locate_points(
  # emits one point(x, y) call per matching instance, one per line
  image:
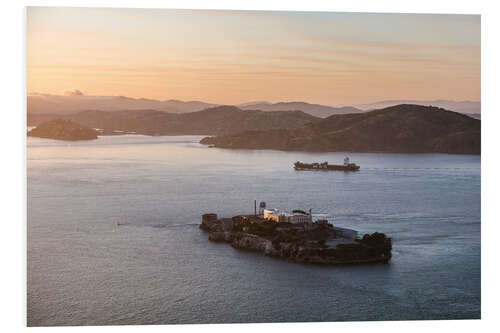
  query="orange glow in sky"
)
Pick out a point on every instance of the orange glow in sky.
point(231, 57)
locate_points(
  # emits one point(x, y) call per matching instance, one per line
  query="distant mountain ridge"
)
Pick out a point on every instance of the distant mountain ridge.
point(317, 110)
point(63, 105)
point(57, 104)
point(400, 129)
point(467, 107)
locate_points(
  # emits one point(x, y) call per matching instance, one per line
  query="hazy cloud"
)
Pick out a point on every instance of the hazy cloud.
point(72, 92)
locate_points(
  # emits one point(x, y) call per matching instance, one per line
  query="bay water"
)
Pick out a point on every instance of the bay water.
point(114, 238)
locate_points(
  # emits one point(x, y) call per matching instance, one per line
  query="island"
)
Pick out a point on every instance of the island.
point(303, 242)
point(63, 129)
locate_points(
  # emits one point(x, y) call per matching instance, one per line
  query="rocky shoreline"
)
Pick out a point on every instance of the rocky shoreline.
point(302, 243)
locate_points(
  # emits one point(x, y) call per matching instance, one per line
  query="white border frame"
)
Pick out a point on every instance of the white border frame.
point(13, 241)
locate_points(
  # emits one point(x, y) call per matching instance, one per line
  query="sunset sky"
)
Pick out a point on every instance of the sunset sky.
point(231, 57)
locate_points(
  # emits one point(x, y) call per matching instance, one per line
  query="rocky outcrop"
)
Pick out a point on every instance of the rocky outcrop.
point(251, 242)
point(304, 243)
point(208, 221)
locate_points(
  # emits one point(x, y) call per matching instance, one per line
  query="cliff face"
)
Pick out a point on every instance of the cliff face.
point(299, 243)
point(401, 129)
point(61, 129)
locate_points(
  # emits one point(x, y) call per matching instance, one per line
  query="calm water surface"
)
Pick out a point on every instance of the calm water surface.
point(158, 267)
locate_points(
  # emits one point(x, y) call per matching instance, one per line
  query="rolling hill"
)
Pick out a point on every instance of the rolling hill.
point(218, 120)
point(64, 105)
point(402, 129)
point(317, 110)
point(472, 108)
point(56, 105)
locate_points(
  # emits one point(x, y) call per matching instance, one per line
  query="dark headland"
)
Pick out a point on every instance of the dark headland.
point(402, 128)
point(62, 129)
point(315, 243)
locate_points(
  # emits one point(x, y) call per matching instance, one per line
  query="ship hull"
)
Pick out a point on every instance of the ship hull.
point(309, 167)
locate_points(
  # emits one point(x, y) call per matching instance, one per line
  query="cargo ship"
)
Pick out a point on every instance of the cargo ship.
point(347, 166)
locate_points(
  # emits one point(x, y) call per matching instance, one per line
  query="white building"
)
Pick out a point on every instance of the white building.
point(276, 215)
point(301, 218)
point(280, 216)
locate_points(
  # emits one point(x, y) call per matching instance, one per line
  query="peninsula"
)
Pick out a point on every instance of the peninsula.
point(296, 238)
point(402, 128)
